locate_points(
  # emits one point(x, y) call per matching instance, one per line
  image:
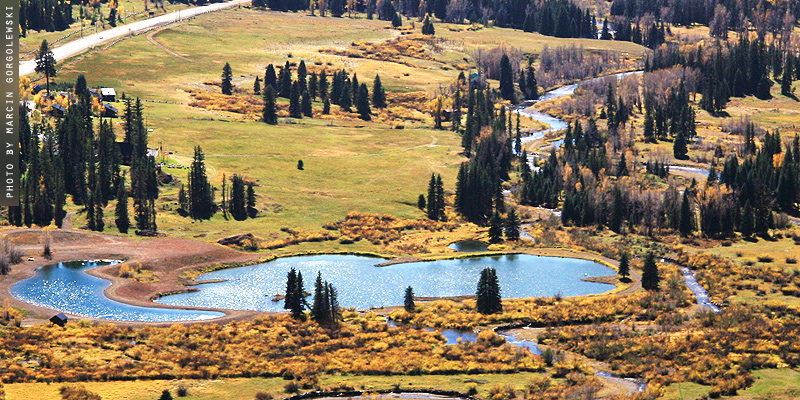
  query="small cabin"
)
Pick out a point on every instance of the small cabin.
point(57, 110)
point(108, 94)
point(59, 319)
point(109, 111)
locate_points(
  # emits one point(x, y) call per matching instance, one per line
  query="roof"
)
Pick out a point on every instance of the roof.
point(58, 107)
point(109, 107)
point(152, 153)
point(108, 91)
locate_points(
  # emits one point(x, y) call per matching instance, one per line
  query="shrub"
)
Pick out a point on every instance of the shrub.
point(726, 243)
point(791, 260)
point(263, 396)
point(126, 271)
point(765, 258)
point(182, 390)
point(291, 387)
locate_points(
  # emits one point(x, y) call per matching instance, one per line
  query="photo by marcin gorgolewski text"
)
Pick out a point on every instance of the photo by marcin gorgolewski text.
point(9, 160)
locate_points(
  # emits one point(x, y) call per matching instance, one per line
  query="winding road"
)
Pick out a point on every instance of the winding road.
point(75, 47)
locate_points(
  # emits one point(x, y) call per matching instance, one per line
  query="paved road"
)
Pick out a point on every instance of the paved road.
point(77, 46)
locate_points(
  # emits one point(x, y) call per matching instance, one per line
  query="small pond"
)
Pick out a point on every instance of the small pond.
point(469, 246)
point(68, 288)
point(362, 285)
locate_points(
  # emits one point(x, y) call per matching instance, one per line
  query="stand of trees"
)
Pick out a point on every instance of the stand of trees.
point(44, 15)
point(488, 293)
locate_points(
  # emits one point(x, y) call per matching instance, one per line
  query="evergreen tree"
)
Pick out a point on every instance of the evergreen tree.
point(319, 310)
point(227, 76)
point(257, 85)
point(201, 196)
point(252, 211)
point(440, 199)
point(624, 265)
point(285, 81)
point(686, 224)
point(650, 278)
point(679, 148)
point(300, 165)
point(786, 80)
point(495, 228)
point(488, 293)
point(511, 228)
point(336, 7)
point(238, 203)
point(270, 79)
point(396, 20)
point(46, 63)
point(323, 84)
point(378, 94)
point(363, 103)
point(532, 85)
point(345, 96)
point(269, 115)
point(295, 110)
point(312, 86)
point(506, 79)
point(622, 167)
point(421, 202)
point(165, 395)
point(299, 301)
point(326, 106)
point(306, 105)
point(427, 26)
point(432, 211)
point(302, 76)
point(408, 302)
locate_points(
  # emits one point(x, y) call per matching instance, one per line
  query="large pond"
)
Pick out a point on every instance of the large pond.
point(362, 285)
point(68, 288)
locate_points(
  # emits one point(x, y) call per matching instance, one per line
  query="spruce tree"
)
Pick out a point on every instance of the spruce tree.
point(312, 85)
point(295, 109)
point(488, 293)
point(427, 26)
point(786, 80)
point(285, 81)
point(440, 199)
point(363, 103)
point(238, 202)
point(252, 211)
point(323, 85)
point(291, 282)
point(679, 148)
point(319, 310)
point(46, 63)
point(201, 197)
point(378, 94)
point(270, 79)
point(299, 300)
point(506, 79)
point(306, 105)
point(408, 302)
point(227, 76)
point(686, 224)
point(512, 224)
point(268, 114)
point(302, 76)
point(345, 96)
point(432, 211)
point(257, 86)
point(326, 106)
point(496, 228)
point(650, 278)
point(532, 85)
point(624, 265)
point(421, 202)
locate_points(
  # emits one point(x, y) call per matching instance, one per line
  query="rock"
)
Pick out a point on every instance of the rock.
point(237, 240)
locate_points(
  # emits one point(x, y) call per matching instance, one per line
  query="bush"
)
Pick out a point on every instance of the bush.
point(291, 387)
point(765, 258)
point(791, 260)
point(726, 243)
point(263, 396)
point(182, 390)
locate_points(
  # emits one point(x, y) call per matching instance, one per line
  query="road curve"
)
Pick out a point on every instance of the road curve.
point(70, 49)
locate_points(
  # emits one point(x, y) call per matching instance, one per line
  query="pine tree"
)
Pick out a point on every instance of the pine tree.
point(300, 165)
point(252, 211)
point(786, 80)
point(285, 81)
point(624, 265)
point(326, 106)
point(306, 105)
point(686, 224)
point(345, 96)
point(270, 79)
point(396, 20)
point(679, 148)
point(432, 211)
point(269, 115)
point(46, 63)
point(532, 85)
point(488, 293)
point(165, 395)
point(201, 197)
point(622, 167)
point(506, 79)
point(440, 199)
point(378, 94)
point(291, 284)
point(238, 203)
point(650, 278)
point(299, 300)
point(319, 310)
point(295, 110)
point(227, 76)
point(323, 85)
point(257, 85)
point(421, 202)
point(363, 103)
point(495, 228)
point(512, 224)
point(408, 302)
point(302, 76)
point(427, 26)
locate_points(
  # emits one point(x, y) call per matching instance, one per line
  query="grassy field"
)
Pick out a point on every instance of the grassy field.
point(349, 164)
point(246, 388)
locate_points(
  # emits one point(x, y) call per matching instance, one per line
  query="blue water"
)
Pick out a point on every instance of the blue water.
point(362, 285)
point(469, 246)
point(68, 288)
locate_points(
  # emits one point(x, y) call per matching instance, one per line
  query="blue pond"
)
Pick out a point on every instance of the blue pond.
point(66, 287)
point(362, 285)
